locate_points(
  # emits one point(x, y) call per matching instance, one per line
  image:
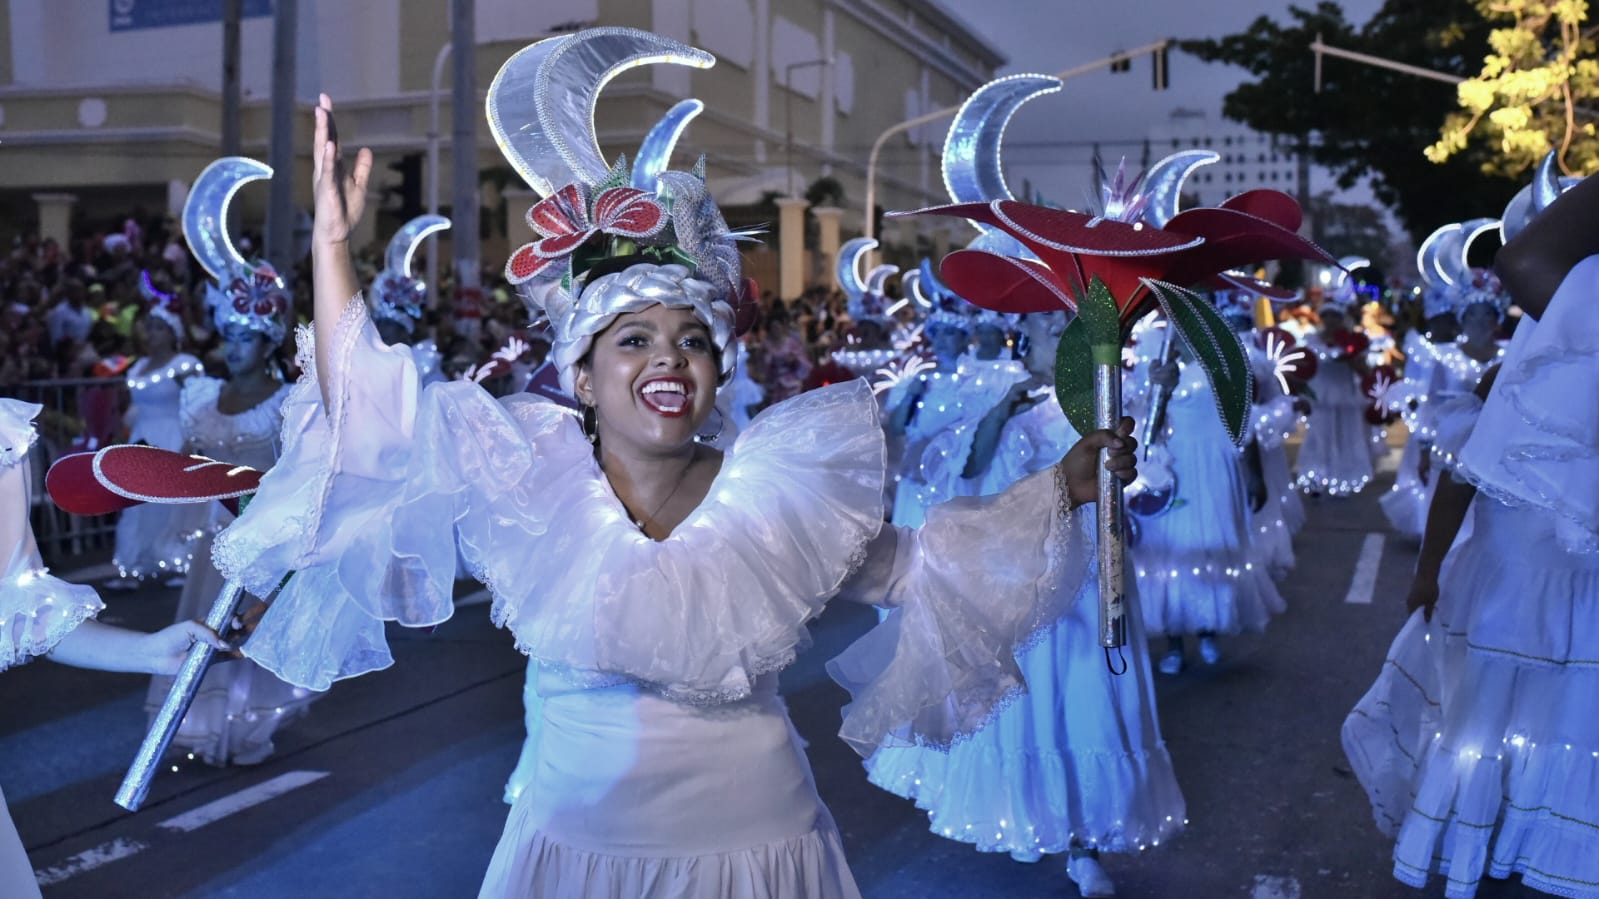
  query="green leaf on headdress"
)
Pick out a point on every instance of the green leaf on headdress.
point(1074, 376)
point(1207, 337)
point(619, 176)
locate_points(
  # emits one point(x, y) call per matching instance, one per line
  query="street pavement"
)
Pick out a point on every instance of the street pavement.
point(391, 786)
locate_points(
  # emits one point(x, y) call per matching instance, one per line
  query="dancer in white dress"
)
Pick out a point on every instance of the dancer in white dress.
point(1078, 765)
point(659, 585)
point(1478, 744)
point(1454, 372)
point(238, 421)
point(1336, 458)
point(1195, 562)
point(156, 540)
point(43, 615)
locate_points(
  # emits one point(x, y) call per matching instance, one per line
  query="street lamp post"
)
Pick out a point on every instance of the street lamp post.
point(788, 108)
point(433, 174)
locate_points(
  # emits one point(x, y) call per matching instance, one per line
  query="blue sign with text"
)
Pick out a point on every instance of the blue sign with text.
point(127, 15)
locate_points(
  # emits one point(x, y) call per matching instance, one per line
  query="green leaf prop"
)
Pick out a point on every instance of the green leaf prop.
point(1074, 376)
point(1208, 339)
point(1094, 336)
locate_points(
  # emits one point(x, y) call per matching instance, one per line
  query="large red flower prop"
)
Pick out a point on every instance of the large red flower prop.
point(568, 218)
point(1075, 248)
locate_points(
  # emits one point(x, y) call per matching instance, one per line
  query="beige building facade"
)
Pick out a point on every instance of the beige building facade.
point(100, 115)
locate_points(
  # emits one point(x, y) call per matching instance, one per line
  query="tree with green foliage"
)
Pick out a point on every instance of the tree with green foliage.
point(1531, 94)
point(1368, 121)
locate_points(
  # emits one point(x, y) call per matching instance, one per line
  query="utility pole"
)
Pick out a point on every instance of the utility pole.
point(280, 209)
point(465, 113)
point(232, 12)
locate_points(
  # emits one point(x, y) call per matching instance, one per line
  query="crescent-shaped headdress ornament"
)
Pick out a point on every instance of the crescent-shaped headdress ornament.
point(972, 168)
point(541, 102)
point(397, 294)
point(245, 294)
point(655, 154)
point(1163, 183)
point(847, 270)
point(1547, 185)
point(205, 214)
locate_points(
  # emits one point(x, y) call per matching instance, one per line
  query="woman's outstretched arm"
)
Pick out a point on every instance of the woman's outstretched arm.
point(340, 198)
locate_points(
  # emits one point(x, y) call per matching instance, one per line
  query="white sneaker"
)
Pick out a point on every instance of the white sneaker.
point(1209, 651)
point(121, 584)
point(1171, 662)
point(1091, 879)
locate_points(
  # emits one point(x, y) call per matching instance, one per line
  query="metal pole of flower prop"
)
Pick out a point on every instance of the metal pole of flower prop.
point(117, 478)
point(1112, 269)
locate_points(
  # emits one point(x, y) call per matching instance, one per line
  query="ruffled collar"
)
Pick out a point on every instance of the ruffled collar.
point(723, 599)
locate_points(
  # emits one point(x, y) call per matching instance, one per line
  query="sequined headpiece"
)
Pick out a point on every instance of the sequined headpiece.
point(397, 295)
point(244, 294)
point(612, 239)
point(160, 305)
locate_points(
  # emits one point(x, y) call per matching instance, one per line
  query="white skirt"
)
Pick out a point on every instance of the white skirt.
point(1078, 758)
point(1478, 744)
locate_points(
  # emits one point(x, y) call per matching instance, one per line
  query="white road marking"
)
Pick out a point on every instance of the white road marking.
point(121, 848)
point(1269, 887)
point(1364, 582)
point(88, 860)
point(238, 802)
point(475, 598)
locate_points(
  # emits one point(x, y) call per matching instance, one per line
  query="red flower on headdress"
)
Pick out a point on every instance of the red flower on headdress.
point(1074, 248)
point(567, 219)
point(258, 293)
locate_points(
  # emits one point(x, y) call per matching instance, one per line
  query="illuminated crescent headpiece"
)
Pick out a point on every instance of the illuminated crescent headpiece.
point(397, 294)
point(612, 239)
point(244, 294)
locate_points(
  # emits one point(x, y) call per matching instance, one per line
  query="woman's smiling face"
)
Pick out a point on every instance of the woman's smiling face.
point(651, 378)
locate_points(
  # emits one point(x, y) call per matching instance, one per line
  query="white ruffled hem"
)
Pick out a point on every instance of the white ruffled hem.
point(530, 865)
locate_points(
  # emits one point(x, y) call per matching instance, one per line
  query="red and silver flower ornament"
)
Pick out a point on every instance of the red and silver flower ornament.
point(571, 216)
point(256, 299)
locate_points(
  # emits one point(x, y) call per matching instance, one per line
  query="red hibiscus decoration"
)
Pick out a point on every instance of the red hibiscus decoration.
point(1293, 365)
point(567, 218)
point(1352, 343)
point(1074, 248)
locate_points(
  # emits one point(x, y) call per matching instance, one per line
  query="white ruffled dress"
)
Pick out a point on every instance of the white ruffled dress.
point(239, 705)
point(1478, 743)
point(158, 539)
point(1336, 458)
point(36, 609)
point(938, 438)
point(1080, 757)
point(1196, 565)
point(667, 765)
point(1452, 376)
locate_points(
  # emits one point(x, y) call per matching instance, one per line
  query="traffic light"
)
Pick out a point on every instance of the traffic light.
point(1120, 63)
point(1159, 57)
point(405, 198)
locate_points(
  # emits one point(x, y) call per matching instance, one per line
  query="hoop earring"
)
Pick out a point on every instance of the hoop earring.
point(721, 425)
point(590, 424)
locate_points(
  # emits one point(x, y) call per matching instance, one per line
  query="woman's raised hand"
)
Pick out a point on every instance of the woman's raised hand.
point(340, 200)
point(340, 191)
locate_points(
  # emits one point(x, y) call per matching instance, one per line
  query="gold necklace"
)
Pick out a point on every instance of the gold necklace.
point(682, 476)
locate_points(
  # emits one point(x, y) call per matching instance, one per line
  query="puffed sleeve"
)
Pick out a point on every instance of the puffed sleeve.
point(968, 590)
point(362, 505)
point(36, 609)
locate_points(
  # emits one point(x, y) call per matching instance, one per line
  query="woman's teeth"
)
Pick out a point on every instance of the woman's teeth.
point(666, 397)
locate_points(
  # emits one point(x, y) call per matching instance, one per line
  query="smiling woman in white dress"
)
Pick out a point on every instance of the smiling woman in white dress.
point(659, 585)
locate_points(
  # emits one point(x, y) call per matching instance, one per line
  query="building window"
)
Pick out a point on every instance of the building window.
point(1228, 141)
point(1174, 143)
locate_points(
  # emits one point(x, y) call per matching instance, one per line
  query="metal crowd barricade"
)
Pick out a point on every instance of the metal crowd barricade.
point(79, 414)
